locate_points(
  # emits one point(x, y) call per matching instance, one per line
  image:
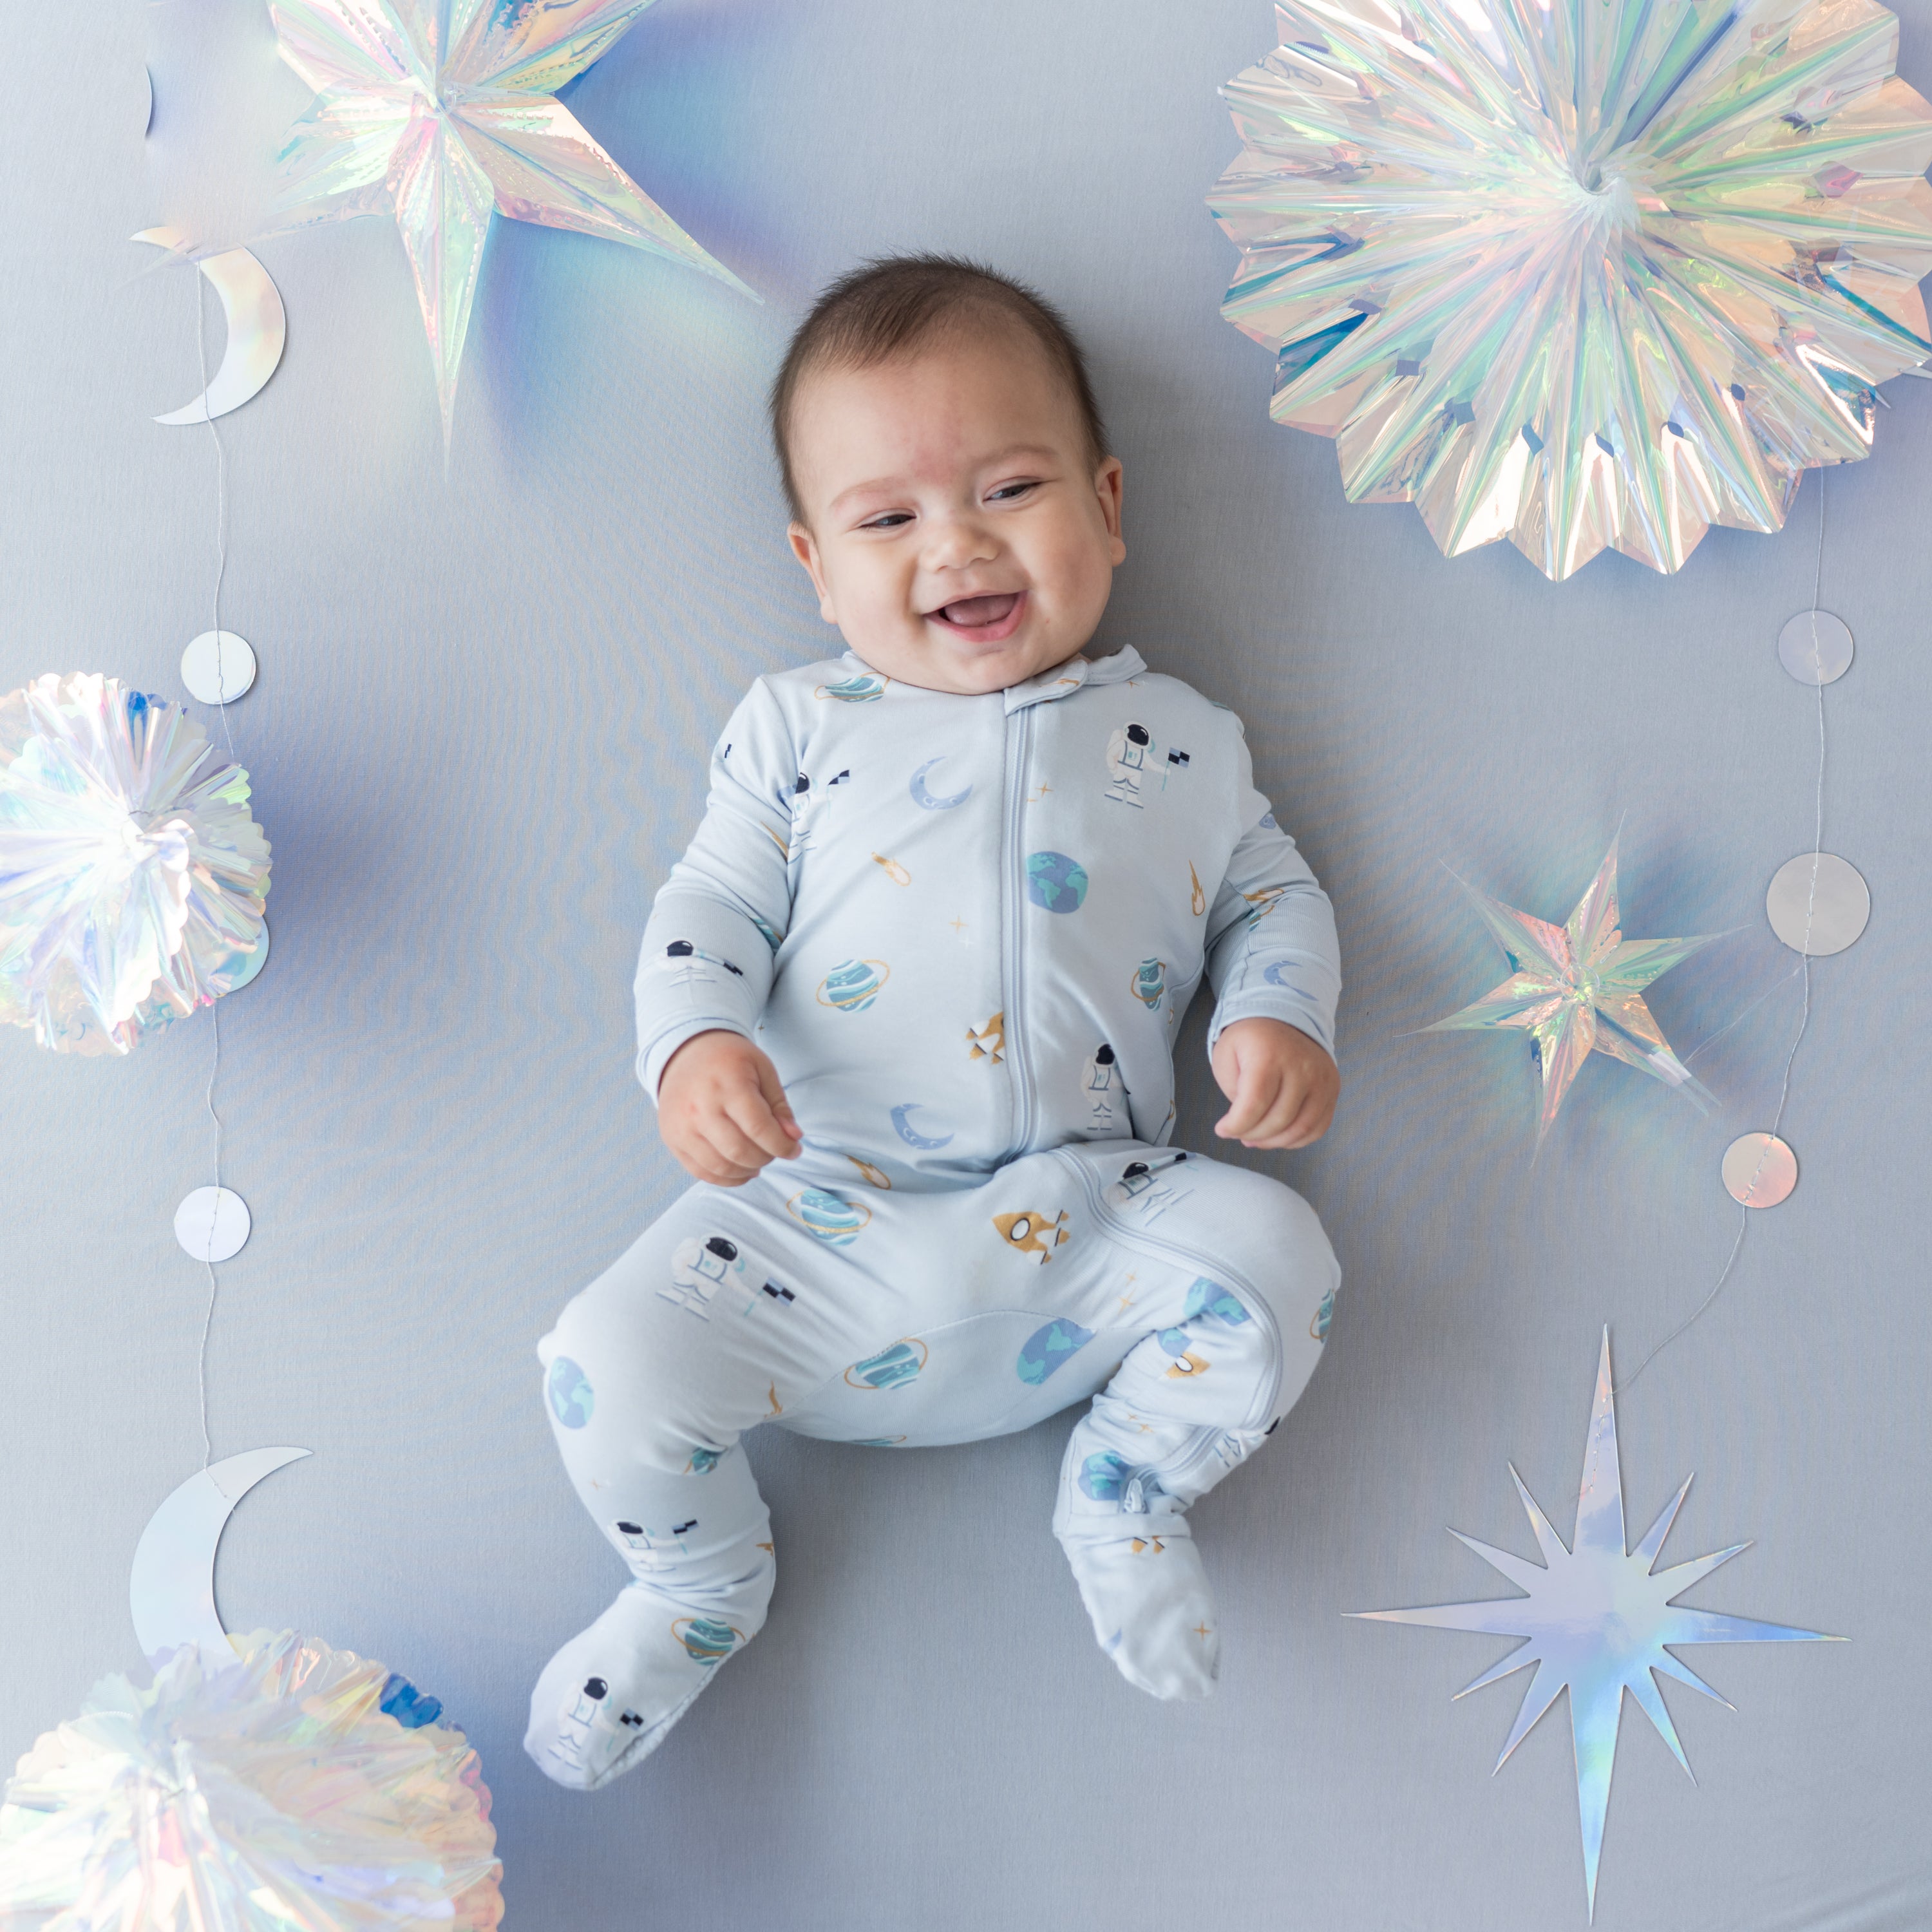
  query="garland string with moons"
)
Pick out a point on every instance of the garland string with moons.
point(215, 1012)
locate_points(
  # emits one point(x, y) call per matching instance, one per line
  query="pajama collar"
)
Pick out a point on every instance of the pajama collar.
point(1060, 682)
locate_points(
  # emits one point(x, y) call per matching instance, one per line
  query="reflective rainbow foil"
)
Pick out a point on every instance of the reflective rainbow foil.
point(293, 1788)
point(1582, 274)
point(132, 878)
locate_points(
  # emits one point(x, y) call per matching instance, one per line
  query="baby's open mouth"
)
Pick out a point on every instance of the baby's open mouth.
point(985, 620)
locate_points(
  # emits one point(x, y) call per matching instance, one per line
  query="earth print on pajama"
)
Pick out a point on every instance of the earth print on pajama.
point(965, 930)
point(1186, 1297)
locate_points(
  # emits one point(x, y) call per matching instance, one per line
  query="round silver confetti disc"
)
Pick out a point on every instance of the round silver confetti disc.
point(218, 667)
point(1815, 647)
point(1820, 915)
point(1759, 1171)
point(212, 1224)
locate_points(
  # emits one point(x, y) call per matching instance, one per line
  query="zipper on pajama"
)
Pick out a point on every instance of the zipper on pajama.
point(1252, 1300)
point(1013, 899)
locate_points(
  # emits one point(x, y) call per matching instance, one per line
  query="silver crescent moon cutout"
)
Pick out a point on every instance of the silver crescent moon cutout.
point(258, 328)
point(920, 796)
point(171, 1587)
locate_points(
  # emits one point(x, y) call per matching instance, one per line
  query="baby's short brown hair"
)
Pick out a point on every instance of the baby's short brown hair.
point(890, 305)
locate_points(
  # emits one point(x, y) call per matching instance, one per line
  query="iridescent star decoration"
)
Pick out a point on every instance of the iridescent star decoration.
point(1598, 1621)
point(1578, 986)
point(440, 112)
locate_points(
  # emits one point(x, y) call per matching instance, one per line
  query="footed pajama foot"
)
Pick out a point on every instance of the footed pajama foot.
point(1152, 1610)
point(607, 1698)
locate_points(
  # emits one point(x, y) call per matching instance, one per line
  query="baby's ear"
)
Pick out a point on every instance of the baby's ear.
point(1107, 486)
point(804, 548)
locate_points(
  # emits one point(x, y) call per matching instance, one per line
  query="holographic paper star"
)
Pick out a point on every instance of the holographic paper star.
point(1582, 274)
point(1598, 1621)
point(439, 113)
point(1578, 986)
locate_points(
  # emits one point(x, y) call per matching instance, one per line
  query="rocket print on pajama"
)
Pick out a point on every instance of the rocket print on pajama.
point(964, 929)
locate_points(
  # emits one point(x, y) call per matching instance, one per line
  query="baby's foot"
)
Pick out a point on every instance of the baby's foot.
point(1152, 1610)
point(607, 1700)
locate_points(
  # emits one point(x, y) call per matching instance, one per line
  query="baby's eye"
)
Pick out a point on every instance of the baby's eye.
point(890, 520)
point(1009, 492)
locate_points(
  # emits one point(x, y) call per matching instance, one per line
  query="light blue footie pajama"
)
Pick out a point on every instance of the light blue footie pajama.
point(965, 930)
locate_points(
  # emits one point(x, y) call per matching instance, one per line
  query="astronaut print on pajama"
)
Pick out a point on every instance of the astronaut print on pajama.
point(964, 929)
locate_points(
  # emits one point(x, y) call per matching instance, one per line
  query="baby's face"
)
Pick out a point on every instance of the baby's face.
point(956, 530)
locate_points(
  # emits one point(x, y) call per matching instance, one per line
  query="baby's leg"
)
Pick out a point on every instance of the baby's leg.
point(1239, 1274)
point(651, 1375)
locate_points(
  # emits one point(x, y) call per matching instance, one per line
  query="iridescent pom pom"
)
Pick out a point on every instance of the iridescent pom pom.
point(1582, 273)
point(131, 875)
point(291, 1788)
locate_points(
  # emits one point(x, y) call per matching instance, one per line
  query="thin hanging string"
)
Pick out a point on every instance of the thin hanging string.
point(1803, 969)
point(221, 698)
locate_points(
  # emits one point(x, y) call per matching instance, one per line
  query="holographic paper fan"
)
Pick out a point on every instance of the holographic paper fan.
point(440, 113)
point(131, 875)
point(292, 1789)
point(1586, 273)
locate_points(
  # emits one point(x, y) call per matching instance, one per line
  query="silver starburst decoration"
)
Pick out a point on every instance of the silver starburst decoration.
point(1597, 1621)
point(1581, 273)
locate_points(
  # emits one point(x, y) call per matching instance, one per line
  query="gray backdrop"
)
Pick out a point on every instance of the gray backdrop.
point(479, 736)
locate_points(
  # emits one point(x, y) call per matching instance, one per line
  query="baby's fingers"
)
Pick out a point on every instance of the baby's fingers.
point(756, 1133)
point(1254, 1093)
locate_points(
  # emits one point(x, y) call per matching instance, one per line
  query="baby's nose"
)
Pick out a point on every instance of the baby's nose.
point(958, 541)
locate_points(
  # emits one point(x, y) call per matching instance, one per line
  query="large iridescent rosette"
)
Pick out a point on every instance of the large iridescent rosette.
point(292, 1788)
point(132, 876)
point(1584, 273)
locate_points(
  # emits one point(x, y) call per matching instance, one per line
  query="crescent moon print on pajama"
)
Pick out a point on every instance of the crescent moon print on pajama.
point(989, 1043)
point(893, 869)
point(841, 1222)
point(890, 1368)
point(921, 796)
point(854, 986)
point(854, 690)
point(1027, 1233)
point(902, 1123)
point(1049, 1349)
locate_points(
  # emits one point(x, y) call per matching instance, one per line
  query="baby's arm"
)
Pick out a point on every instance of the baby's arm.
point(1275, 967)
point(705, 970)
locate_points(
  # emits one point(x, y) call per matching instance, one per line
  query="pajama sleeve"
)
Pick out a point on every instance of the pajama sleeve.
point(717, 922)
point(1271, 948)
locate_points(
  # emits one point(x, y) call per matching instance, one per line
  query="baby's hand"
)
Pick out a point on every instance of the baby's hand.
point(721, 1110)
point(1281, 1087)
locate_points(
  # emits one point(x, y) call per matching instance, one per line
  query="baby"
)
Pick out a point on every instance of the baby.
point(908, 1007)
